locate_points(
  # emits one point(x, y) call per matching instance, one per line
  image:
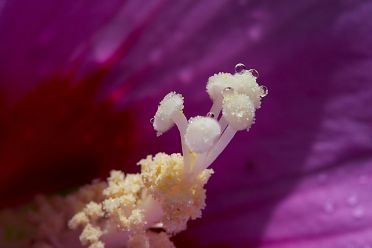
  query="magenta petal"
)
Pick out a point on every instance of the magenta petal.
point(40, 38)
point(303, 176)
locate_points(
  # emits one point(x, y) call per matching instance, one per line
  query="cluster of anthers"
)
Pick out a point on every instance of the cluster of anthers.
point(170, 188)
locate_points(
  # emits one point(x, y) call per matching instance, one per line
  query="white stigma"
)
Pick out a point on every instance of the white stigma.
point(168, 107)
point(237, 95)
point(238, 110)
point(217, 83)
point(245, 83)
point(202, 133)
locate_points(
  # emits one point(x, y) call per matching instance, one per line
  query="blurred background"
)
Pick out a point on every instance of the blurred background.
point(80, 80)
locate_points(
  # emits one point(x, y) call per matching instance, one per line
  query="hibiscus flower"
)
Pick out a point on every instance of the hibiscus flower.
point(80, 81)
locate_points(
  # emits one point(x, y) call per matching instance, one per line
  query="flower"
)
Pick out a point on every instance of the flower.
point(302, 178)
point(167, 193)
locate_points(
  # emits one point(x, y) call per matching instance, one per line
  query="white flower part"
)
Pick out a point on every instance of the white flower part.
point(202, 133)
point(170, 104)
point(245, 83)
point(238, 110)
point(217, 83)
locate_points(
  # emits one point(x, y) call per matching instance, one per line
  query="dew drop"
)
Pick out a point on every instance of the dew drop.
point(152, 120)
point(227, 91)
point(210, 114)
point(358, 212)
point(265, 90)
point(240, 68)
point(254, 73)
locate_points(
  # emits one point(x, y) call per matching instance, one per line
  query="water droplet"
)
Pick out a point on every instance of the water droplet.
point(352, 200)
point(152, 120)
point(265, 90)
point(358, 212)
point(254, 73)
point(210, 114)
point(329, 207)
point(227, 91)
point(240, 68)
